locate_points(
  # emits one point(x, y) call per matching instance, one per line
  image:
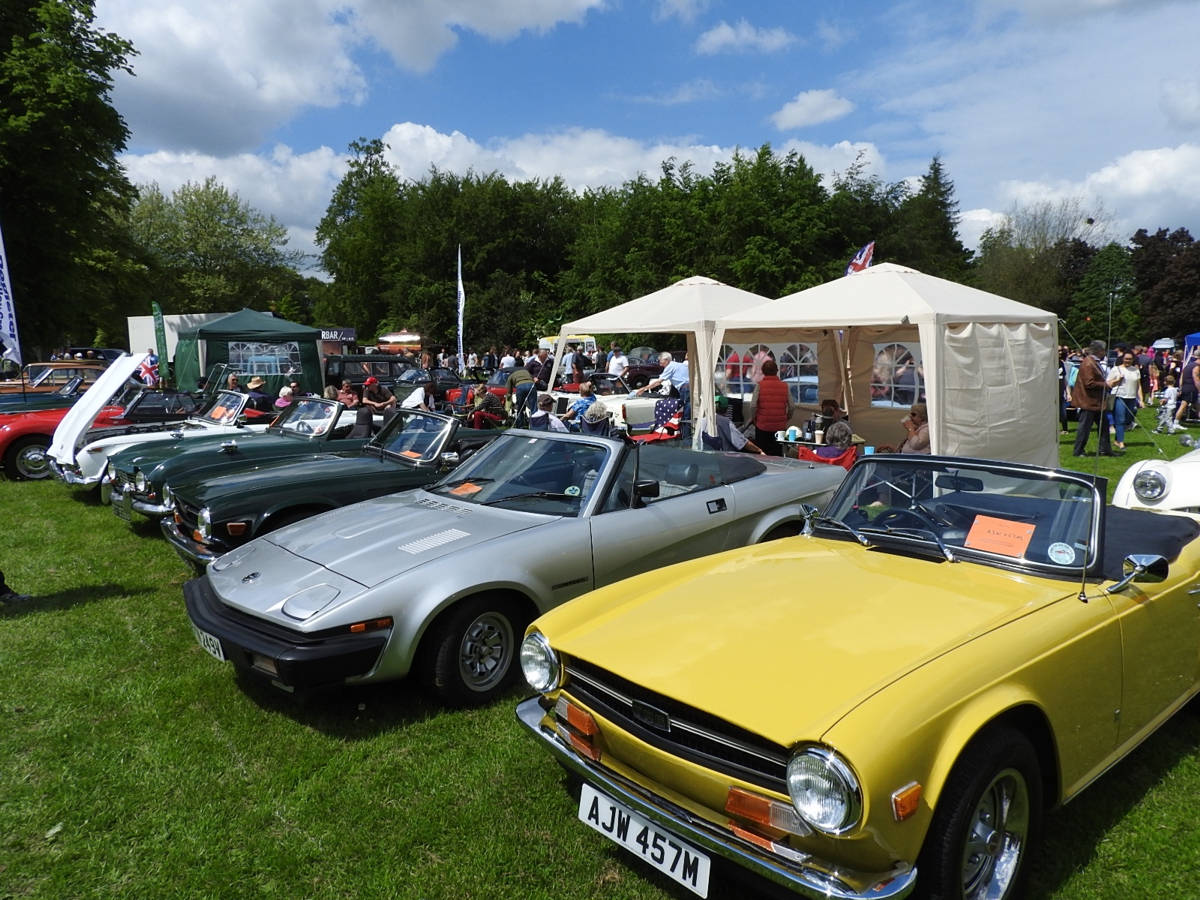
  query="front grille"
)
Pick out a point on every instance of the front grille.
point(188, 514)
point(125, 480)
point(695, 735)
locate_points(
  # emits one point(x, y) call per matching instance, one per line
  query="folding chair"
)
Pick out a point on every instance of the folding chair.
point(668, 419)
point(845, 459)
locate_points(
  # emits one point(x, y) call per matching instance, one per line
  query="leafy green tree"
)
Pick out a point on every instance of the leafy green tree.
point(1106, 305)
point(208, 251)
point(63, 193)
point(924, 230)
point(1172, 304)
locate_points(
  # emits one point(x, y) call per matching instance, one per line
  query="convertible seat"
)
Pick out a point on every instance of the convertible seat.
point(1128, 531)
point(363, 419)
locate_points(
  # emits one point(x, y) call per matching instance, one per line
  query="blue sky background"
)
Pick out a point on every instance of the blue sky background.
point(1025, 100)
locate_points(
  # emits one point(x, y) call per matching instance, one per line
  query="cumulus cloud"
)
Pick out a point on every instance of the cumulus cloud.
point(219, 75)
point(741, 38)
point(1181, 102)
point(811, 108)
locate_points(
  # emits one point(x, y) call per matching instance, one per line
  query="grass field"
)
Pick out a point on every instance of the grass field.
point(134, 765)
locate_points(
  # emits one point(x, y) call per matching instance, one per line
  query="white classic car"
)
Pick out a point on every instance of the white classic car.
point(1162, 484)
point(80, 462)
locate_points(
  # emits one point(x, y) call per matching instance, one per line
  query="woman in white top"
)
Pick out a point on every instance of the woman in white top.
point(1125, 382)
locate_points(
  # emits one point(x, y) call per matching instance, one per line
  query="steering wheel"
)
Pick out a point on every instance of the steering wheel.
point(899, 514)
point(304, 428)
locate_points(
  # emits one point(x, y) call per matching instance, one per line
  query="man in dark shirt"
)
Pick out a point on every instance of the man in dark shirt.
point(376, 396)
point(1088, 396)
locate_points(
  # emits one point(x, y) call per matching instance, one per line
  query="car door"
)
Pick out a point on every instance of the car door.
point(1160, 634)
point(690, 518)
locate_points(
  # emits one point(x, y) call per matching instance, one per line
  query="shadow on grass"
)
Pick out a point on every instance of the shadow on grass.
point(1072, 834)
point(361, 712)
point(89, 497)
point(68, 598)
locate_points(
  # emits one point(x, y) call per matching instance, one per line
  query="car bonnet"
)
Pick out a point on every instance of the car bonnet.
point(80, 416)
point(379, 539)
point(786, 638)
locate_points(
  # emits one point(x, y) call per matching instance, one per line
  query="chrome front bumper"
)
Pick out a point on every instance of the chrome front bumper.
point(189, 550)
point(814, 878)
point(70, 476)
point(150, 510)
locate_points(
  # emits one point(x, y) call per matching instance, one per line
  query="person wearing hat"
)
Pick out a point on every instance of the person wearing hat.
point(377, 397)
point(727, 437)
point(544, 419)
point(1088, 396)
point(258, 400)
point(618, 362)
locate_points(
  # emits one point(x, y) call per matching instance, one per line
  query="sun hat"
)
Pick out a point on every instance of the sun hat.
point(255, 382)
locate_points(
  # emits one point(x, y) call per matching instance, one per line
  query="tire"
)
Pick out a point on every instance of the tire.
point(470, 652)
point(964, 856)
point(26, 459)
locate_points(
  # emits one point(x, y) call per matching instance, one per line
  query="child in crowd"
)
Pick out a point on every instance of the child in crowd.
point(1166, 412)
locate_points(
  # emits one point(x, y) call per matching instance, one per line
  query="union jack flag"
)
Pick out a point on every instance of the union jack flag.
point(862, 259)
point(147, 372)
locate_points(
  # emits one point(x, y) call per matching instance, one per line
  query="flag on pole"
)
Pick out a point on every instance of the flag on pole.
point(862, 259)
point(147, 372)
point(10, 342)
point(462, 303)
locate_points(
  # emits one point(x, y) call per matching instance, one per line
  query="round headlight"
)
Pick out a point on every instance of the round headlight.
point(1149, 484)
point(168, 497)
point(824, 790)
point(539, 662)
point(139, 481)
point(204, 524)
point(112, 472)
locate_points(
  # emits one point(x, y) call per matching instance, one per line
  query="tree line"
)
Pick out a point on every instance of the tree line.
point(86, 248)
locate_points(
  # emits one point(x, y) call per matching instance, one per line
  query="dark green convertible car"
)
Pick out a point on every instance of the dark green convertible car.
point(213, 514)
point(137, 475)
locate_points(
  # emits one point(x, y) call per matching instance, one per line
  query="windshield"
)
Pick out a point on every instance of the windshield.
point(534, 474)
point(987, 512)
point(126, 395)
point(308, 417)
point(412, 435)
point(223, 409)
point(37, 374)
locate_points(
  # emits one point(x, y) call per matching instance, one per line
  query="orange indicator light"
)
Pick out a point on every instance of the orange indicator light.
point(906, 801)
point(765, 811)
point(236, 528)
point(579, 719)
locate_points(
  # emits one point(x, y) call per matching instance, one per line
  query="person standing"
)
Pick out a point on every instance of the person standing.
point(1125, 381)
point(1189, 387)
point(773, 408)
point(1088, 396)
point(618, 362)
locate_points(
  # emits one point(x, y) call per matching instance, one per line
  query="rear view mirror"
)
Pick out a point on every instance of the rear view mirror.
point(959, 483)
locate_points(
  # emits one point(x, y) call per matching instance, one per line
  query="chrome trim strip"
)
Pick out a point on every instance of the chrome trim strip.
point(806, 878)
point(683, 725)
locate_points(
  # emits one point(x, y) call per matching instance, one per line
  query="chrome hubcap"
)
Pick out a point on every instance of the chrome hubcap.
point(33, 463)
point(486, 651)
point(998, 829)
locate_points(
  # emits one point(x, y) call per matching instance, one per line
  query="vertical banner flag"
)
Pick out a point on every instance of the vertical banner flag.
point(11, 348)
point(160, 338)
point(462, 303)
point(862, 259)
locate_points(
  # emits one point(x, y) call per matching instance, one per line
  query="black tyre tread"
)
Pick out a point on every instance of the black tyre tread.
point(10, 458)
point(938, 865)
point(437, 659)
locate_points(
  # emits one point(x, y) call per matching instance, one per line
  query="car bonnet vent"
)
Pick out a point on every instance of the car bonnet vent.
point(460, 511)
point(434, 540)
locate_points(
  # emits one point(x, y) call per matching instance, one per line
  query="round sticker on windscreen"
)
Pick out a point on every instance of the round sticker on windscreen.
point(572, 491)
point(1063, 554)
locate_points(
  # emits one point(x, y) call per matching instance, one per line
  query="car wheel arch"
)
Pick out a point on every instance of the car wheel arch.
point(284, 514)
point(527, 605)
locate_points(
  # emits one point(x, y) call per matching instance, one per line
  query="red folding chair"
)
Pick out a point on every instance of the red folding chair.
point(668, 420)
point(845, 459)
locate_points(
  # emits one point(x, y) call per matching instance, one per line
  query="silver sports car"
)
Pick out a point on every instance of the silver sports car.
point(441, 581)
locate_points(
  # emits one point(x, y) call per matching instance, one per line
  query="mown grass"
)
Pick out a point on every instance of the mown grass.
point(134, 765)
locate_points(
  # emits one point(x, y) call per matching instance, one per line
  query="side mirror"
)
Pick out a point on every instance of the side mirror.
point(1143, 568)
point(810, 513)
point(450, 459)
point(241, 421)
point(643, 489)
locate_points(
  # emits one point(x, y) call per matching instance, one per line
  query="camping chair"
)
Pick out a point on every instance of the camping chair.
point(845, 459)
point(668, 418)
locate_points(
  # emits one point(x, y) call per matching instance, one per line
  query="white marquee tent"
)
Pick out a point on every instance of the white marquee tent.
point(989, 364)
point(691, 307)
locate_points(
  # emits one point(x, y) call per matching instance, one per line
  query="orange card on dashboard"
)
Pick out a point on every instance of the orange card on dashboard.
point(466, 490)
point(1001, 536)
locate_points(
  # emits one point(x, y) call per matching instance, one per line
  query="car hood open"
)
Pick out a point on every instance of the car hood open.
point(786, 638)
point(379, 539)
point(80, 416)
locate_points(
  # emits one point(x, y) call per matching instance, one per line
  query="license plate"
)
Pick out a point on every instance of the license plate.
point(123, 510)
point(209, 643)
point(665, 852)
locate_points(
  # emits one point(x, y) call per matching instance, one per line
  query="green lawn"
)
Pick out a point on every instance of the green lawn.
point(133, 765)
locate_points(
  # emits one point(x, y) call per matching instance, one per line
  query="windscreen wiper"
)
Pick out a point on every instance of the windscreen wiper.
point(829, 520)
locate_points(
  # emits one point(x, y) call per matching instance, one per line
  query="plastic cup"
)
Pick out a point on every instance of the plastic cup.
point(868, 451)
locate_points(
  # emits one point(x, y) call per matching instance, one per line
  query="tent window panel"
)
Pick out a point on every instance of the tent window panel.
point(257, 358)
point(897, 375)
point(739, 369)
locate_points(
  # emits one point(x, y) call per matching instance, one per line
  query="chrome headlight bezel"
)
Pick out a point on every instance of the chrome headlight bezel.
point(540, 664)
point(1150, 485)
point(139, 481)
point(168, 499)
point(834, 779)
point(111, 471)
point(204, 524)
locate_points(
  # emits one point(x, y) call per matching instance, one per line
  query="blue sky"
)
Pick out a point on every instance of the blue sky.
point(1025, 100)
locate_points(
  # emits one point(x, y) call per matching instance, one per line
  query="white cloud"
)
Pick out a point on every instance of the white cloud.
point(1181, 102)
point(833, 36)
point(219, 75)
point(811, 108)
point(687, 10)
point(1057, 10)
point(743, 37)
point(691, 92)
point(974, 222)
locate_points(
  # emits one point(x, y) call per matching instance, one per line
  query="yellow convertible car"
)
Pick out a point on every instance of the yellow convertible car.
point(886, 704)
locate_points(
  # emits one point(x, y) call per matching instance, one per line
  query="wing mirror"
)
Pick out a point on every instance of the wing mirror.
point(1144, 568)
point(642, 490)
point(241, 421)
point(810, 514)
point(450, 459)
